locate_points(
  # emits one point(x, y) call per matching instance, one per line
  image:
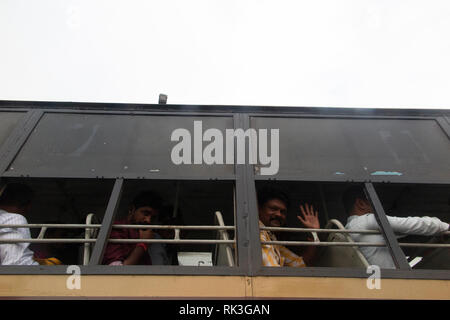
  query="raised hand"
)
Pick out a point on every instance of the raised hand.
point(310, 217)
point(146, 234)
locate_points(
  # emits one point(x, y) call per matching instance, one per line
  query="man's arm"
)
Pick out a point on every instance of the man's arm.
point(309, 254)
point(135, 256)
point(426, 226)
point(291, 259)
point(16, 253)
point(120, 252)
point(138, 252)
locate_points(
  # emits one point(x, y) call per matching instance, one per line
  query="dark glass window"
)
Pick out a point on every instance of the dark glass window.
point(360, 149)
point(87, 145)
point(8, 121)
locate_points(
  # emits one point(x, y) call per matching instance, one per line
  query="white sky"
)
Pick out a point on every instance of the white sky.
point(348, 53)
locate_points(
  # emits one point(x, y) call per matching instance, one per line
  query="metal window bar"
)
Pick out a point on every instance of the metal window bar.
point(210, 241)
point(345, 244)
point(281, 229)
point(223, 251)
point(89, 234)
point(42, 233)
point(122, 226)
point(76, 240)
point(203, 227)
point(177, 240)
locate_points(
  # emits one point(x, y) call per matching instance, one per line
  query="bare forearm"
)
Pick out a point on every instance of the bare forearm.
point(309, 254)
point(135, 256)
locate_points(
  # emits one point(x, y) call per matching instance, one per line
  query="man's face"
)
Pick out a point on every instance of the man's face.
point(142, 215)
point(273, 213)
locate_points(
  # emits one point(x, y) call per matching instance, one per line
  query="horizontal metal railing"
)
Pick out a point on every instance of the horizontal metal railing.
point(121, 226)
point(76, 240)
point(280, 229)
point(208, 241)
point(343, 244)
point(353, 244)
point(176, 239)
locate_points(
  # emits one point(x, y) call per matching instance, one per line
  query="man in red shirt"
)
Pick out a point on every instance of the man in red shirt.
point(143, 210)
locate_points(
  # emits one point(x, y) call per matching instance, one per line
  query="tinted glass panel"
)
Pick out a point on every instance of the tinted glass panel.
point(360, 149)
point(8, 121)
point(76, 145)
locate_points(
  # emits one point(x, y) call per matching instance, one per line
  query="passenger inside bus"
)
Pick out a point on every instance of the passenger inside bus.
point(361, 217)
point(143, 210)
point(273, 204)
point(66, 253)
point(15, 205)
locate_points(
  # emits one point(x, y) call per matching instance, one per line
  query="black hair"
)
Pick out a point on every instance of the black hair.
point(271, 192)
point(147, 199)
point(16, 194)
point(350, 195)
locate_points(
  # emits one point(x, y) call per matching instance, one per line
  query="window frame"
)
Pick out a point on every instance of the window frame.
point(402, 270)
point(246, 221)
point(19, 138)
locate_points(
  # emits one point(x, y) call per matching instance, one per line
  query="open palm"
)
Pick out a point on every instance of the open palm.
point(309, 217)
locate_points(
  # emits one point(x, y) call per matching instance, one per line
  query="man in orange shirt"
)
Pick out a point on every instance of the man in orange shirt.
point(272, 209)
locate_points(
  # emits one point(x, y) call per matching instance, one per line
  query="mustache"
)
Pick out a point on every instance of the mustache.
point(277, 219)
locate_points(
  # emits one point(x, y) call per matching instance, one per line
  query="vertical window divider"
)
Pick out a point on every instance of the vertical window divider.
point(444, 125)
point(391, 241)
point(105, 229)
point(241, 223)
point(251, 208)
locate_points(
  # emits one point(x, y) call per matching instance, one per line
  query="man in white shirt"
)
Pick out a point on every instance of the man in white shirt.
point(361, 217)
point(15, 202)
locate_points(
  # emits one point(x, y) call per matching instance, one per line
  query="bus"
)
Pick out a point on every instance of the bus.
point(86, 162)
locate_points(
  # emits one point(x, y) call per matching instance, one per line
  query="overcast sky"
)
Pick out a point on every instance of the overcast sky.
point(342, 53)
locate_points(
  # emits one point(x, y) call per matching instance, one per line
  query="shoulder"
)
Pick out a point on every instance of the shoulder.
point(353, 221)
point(12, 218)
point(119, 232)
point(264, 235)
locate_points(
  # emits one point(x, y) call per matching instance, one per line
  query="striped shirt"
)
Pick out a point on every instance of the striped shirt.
point(277, 255)
point(15, 253)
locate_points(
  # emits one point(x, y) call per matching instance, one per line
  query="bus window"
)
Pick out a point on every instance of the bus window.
point(185, 228)
point(332, 246)
point(422, 227)
point(64, 202)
